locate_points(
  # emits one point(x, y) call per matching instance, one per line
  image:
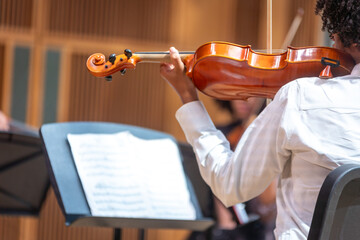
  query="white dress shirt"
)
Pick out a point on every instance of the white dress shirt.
point(311, 127)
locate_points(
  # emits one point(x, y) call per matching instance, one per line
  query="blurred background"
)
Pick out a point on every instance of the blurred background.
point(44, 45)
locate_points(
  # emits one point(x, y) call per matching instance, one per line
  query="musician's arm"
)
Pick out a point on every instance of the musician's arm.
point(260, 156)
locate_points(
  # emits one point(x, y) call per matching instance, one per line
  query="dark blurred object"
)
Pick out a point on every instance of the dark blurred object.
point(23, 175)
point(251, 230)
point(337, 210)
point(201, 189)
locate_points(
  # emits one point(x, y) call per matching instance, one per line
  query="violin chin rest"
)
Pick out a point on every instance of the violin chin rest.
point(326, 73)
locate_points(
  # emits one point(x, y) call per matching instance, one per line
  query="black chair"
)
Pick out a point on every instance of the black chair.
point(337, 210)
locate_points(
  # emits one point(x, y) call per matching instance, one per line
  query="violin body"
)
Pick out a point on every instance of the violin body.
point(229, 71)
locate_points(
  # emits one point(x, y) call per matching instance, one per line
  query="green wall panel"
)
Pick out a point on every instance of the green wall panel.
point(51, 86)
point(20, 83)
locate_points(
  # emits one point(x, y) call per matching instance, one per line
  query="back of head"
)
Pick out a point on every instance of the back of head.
point(341, 17)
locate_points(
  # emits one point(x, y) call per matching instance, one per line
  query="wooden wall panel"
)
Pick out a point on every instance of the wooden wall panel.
point(135, 98)
point(197, 22)
point(284, 11)
point(282, 17)
point(9, 227)
point(247, 22)
point(16, 14)
point(309, 33)
point(146, 20)
point(52, 225)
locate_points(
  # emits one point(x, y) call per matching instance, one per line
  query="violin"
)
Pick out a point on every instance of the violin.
point(229, 71)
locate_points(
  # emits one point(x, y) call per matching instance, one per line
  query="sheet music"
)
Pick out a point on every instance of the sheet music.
point(125, 176)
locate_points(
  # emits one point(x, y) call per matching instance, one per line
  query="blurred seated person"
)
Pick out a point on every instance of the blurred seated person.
point(4, 122)
point(14, 126)
point(243, 113)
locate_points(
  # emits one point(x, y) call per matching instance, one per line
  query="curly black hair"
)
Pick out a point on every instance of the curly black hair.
point(341, 17)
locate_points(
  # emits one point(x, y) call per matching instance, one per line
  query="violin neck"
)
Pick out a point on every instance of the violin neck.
point(158, 57)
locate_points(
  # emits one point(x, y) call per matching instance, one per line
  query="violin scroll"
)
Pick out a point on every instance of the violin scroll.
point(99, 67)
point(98, 59)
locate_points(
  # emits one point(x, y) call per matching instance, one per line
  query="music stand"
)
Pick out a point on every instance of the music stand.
point(23, 174)
point(67, 185)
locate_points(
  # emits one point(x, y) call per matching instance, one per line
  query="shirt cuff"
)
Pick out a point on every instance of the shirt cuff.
point(194, 119)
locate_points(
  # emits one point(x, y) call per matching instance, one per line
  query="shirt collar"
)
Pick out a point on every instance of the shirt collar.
point(356, 70)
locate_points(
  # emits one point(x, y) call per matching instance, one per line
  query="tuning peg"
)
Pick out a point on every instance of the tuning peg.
point(123, 71)
point(128, 53)
point(108, 78)
point(112, 58)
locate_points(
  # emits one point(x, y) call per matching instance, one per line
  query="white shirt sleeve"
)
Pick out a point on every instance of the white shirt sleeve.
point(259, 157)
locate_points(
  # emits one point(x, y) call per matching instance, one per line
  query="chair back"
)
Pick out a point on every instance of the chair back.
point(337, 210)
